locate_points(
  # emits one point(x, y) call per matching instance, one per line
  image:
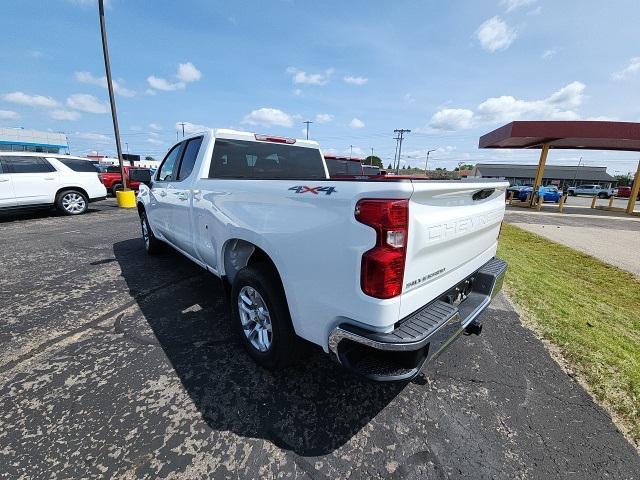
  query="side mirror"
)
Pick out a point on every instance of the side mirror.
point(142, 175)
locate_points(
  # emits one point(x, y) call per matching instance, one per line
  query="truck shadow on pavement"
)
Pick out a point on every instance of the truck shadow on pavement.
point(310, 409)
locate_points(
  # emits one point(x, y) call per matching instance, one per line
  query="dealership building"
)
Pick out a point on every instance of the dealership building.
point(562, 176)
point(23, 140)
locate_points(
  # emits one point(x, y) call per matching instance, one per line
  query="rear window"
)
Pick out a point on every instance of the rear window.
point(113, 169)
point(78, 165)
point(262, 160)
point(344, 167)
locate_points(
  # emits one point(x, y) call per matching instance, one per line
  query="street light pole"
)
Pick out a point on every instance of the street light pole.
point(112, 100)
point(371, 159)
point(426, 163)
point(575, 174)
point(307, 122)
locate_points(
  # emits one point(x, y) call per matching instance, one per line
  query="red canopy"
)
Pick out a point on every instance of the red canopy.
point(590, 135)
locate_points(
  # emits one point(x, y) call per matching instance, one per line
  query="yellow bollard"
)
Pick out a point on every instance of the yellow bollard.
point(511, 194)
point(611, 199)
point(593, 202)
point(126, 198)
point(540, 202)
point(563, 198)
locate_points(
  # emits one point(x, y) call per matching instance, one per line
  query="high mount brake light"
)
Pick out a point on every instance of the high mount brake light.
point(382, 268)
point(269, 138)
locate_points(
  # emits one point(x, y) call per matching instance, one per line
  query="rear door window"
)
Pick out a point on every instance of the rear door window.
point(264, 160)
point(189, 157)
point(78, 165)
point(26, 165)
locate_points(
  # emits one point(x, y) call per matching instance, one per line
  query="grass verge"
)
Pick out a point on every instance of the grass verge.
point(589, 309)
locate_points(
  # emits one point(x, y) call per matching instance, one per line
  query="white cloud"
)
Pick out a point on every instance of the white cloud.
point(451, 119)
point(409, 98)
point(187, 72)
point(535, 11)
point(150, 91)
point(60, 114)
point(268, 117)
point(155, 126)
point(547, 54)
point(30, 100)
point(324, 118)
point(560, 105)
point(515, 4)
point(297, 92)
point(190, 128)
point(86, 103)
point(356, 123)
point(355, 80)
point(87, 77)
point(94, 137)
point(164, 84)
point(9, 115)
point(630, 70)
point(494, 34)
point(301, 77)
point(155, 141)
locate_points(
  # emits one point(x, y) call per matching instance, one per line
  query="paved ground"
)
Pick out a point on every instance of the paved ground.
point(612, 237)
point(116, 364)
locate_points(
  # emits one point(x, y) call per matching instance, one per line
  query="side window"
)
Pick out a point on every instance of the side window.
point(27, 165)
point(78, 165)
point(169, 164)
point(189, 157)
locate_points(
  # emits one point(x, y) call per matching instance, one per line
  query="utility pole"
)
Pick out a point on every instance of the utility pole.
point(395, 154)
point(112, 100)
point(307, 122)
point(182, 123)
point(400, 132)
point(351, 154)
point(127, 146)
point(426, 163)
point(371, 159)
point(575, 174)
point(176, 135)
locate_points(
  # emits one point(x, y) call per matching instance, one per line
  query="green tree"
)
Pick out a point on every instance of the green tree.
point(623, 180)
point(389, 167)
point(149, 158)
point(373, 160)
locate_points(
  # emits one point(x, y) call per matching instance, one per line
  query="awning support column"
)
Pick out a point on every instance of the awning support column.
point(634, 191)
point(539, 172)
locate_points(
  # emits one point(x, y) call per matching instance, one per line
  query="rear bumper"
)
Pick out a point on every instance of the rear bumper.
point(400, 355)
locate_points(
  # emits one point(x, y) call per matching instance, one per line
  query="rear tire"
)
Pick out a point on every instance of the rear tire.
point(152, 245)
point(115, 188)
point(602, 195)
point(261, 317)
point(72, 202)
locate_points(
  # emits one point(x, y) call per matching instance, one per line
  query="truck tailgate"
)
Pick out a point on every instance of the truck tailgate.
point(453, 231)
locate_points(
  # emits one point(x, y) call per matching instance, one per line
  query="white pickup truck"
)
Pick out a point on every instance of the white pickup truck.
point(382, 273)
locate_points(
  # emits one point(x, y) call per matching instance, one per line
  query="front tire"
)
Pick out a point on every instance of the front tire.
point(152, 245)
point(602, 195)
point(72, 202)
point(261, 317)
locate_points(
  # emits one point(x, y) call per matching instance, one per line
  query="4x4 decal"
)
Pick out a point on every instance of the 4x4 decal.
point(313, 190)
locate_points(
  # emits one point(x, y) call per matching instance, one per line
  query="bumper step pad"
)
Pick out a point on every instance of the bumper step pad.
point(400, 354)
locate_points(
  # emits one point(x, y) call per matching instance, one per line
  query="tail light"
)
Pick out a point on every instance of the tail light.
point(382, 269)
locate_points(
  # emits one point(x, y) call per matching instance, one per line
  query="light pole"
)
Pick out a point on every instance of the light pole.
point(576, 172)
point(112, 100)
point(371, 159)
point(426, 163)
point(351, 154)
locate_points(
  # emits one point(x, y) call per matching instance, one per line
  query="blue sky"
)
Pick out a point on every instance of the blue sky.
point(449, 71)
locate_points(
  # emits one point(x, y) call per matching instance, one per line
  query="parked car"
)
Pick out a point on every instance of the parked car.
point(111, 177)
point(592, 190)
point(625, 192)
point(550, 194)
point(516, 190)
point(383, 275)
point(37, 180)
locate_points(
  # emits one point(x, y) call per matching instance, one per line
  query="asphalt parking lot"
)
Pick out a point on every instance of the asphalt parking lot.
point(116, 364)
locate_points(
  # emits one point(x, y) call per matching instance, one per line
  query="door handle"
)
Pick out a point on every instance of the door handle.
point(163, 193)
point(196, 194)
point(4, 179)
point(49, 178)
point(181, 196)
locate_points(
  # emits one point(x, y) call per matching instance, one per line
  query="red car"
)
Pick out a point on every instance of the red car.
point(625, 192)
point(112, 179)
